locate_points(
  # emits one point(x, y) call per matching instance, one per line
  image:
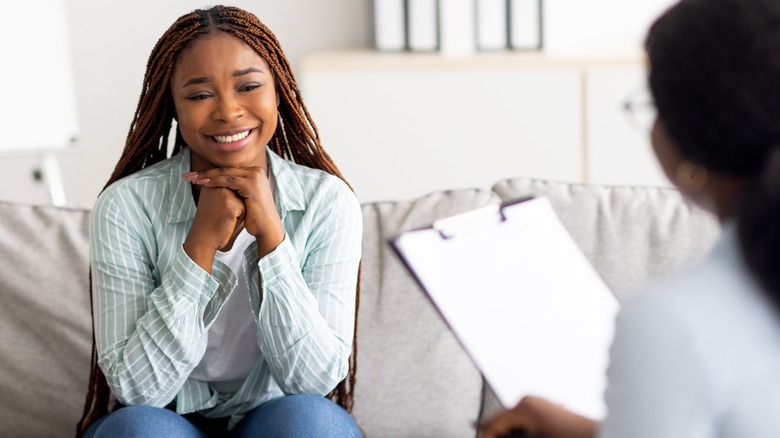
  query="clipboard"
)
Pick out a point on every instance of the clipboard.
point(521, 298)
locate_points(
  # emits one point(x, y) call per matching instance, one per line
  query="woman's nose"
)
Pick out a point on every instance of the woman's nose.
point(227, 109)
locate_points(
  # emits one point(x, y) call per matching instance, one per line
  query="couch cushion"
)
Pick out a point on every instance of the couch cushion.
point(45, 325)
point(413, 377)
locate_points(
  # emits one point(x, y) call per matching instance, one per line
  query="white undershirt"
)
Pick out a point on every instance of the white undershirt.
point(232, 350)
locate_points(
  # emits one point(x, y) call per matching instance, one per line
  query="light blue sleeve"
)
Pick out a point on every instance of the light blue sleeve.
point(307, 315)
point(656, 387)
point(150, 333)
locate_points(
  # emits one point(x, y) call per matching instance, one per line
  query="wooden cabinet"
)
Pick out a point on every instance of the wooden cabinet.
point(403, 125)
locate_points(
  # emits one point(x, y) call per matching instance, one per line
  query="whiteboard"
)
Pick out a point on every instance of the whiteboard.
point(38, 111)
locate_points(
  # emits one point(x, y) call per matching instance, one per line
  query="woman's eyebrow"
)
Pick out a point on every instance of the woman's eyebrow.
point(195, 81)
point(246, 71)
point(237, 73)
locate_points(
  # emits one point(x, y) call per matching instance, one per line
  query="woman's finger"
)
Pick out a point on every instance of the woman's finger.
point(246, 172)
point(502, 424)
point(246, 182)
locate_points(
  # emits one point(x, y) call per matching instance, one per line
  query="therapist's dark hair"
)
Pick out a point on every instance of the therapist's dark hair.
point(715, 79)
point(296, 139)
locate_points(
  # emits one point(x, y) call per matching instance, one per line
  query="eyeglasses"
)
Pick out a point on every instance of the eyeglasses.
point(640, 110)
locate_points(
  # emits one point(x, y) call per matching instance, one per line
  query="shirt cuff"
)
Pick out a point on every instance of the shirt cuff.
point(267, 271)
point(191, 280)
point(278, 262)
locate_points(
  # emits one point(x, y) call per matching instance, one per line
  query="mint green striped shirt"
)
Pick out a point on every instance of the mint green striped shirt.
point(153, 305)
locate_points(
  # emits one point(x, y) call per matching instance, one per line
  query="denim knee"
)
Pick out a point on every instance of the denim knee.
point(298, 416)
point(143, 421)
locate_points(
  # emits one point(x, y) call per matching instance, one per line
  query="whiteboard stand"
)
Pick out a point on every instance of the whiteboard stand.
point(52, 175)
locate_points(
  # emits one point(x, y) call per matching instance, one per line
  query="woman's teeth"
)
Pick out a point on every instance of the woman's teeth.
point(230, 138)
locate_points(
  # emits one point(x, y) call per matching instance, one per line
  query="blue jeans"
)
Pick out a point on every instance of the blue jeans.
point(290, 416)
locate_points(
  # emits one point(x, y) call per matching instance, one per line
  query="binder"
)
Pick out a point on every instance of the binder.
point(423, 25)
point(456, 27)
point(492, 25)
point(525, 24)
point(522, 300)
point(389, 25)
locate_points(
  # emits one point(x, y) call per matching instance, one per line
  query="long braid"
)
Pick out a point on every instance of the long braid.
point(296, 139)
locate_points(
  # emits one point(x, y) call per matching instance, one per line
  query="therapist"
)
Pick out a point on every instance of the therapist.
point(698, 354)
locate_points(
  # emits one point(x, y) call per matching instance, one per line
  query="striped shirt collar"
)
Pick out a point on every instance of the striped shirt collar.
point(181, 206)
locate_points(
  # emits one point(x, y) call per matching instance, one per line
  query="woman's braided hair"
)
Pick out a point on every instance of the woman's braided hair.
point(296, 139)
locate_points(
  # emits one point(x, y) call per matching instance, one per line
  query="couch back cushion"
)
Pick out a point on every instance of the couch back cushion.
point(414, 380)
point(45, 324)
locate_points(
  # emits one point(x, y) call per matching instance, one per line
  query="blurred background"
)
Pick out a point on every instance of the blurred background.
point(399, 121)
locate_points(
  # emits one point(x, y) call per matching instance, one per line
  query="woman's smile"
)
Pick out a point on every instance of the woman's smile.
point(232, 142)
point(229, 138)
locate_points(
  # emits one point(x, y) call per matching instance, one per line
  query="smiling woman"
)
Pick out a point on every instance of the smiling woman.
point(224, 297)
point(225, 102)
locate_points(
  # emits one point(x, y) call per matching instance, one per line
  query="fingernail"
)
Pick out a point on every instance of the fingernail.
point(202, 181)
point(189, 176)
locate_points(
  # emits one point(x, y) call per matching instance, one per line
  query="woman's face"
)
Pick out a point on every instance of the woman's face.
point(226, 102)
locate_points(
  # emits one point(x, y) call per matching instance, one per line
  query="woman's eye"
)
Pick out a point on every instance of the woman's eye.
point(250, 87)
point(198, 97)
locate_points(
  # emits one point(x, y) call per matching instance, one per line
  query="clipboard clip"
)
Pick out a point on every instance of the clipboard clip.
point(448, 227)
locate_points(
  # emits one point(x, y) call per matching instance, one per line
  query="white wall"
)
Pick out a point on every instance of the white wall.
point(598, 27)
point(111, 41)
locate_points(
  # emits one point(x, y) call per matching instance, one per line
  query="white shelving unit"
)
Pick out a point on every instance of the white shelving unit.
point(400, 125)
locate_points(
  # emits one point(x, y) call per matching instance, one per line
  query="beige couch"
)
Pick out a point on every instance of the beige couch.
point(413, 378)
